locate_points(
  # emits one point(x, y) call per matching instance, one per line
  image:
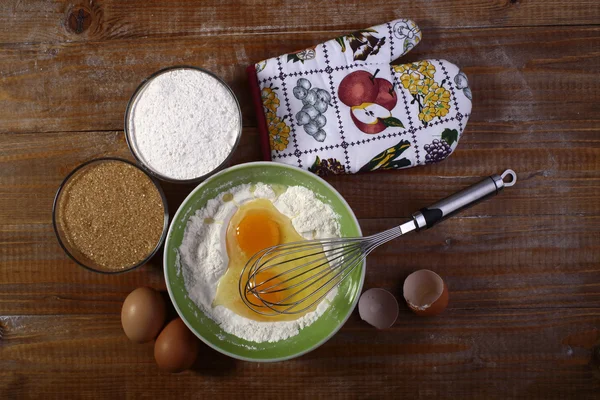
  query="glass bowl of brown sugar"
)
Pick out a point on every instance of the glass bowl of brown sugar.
point(110, 216)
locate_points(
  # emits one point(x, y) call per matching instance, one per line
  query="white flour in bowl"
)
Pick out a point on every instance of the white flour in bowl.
point(184, 123)
point(204, 258)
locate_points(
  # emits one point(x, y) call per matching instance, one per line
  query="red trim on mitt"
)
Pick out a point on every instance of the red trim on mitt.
point(260, 114)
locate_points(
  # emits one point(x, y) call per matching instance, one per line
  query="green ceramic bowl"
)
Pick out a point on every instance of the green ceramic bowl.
point(205, 328)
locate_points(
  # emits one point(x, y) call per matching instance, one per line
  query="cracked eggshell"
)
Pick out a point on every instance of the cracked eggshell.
point(378, 307)
point(426, 293)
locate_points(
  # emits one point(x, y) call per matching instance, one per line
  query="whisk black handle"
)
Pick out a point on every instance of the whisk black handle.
point(429, 216)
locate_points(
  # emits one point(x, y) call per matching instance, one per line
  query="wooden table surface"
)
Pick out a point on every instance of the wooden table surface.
point(523, 269)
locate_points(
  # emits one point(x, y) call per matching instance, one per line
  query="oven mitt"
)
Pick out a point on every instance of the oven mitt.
point(340, 107)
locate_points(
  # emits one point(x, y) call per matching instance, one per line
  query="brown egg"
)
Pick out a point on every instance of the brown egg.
point(426, 293)
point(143, 315)
point(176, 347)
point(378, 307)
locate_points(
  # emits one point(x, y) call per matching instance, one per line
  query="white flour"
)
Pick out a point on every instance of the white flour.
point(184, 123)
point(204, 257)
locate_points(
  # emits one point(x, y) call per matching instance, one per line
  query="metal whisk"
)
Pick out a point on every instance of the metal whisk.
point(291, 278)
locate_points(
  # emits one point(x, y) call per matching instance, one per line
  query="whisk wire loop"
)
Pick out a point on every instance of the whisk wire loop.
point(303, 273)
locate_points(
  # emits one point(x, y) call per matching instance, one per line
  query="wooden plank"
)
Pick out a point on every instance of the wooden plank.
point(462, 353)
point(516, 262)
point(543, 253)
point(32, 168)
point(559, 190)
point(491, 262)
point(523, 268)
point(560, 170)
point(45, 21)
point(518, 76)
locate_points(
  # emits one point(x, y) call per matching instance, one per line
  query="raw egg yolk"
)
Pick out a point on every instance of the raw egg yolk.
point(274, 283)
point(254, 226)
point(257, 231)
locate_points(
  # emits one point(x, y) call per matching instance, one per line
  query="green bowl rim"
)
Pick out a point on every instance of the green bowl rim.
point(181, 209)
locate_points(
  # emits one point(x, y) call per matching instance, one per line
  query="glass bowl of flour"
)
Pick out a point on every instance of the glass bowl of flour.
point(196, 258)
point(182, 124)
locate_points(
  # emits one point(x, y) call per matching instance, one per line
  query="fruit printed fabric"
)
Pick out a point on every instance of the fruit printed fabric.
point(341, 107)
point(315, 103)
point(279, 131)
point(327, 167)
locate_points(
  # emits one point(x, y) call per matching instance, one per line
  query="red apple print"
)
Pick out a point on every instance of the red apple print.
point(386, 96)
point(369, 117)
point(371, 101)
point(357, 88)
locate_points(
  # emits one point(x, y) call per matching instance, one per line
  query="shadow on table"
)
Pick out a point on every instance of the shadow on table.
point(211, 362)
point(175, 194)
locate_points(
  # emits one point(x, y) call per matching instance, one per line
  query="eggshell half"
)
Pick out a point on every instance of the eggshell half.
point(426, 293)
point(378, 307)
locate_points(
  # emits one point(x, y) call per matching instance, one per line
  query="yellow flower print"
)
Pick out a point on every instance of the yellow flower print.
point(267, 93)
point(433, 99)
point(426, 69)
point(430, 97)
point(428, 82)
point(427, 114)
point(279, 134)
point(401, 68)
point(411, 81)
point(443, 95)
point(441, 108)
point(269, 99)
point(422, 90)
point(271, 116)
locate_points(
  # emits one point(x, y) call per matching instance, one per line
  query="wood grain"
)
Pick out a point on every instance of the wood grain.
point(517, 75)
point(491, 262)
point(486, 252)
point(67, 21)
point(453, 357)
point(523, 268)
point(564, 177)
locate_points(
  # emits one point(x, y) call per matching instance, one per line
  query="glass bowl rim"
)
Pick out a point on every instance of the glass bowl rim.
point(131, 143)
point(55, 223)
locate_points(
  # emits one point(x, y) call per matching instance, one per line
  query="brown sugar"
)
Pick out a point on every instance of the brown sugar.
point(111, 214)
